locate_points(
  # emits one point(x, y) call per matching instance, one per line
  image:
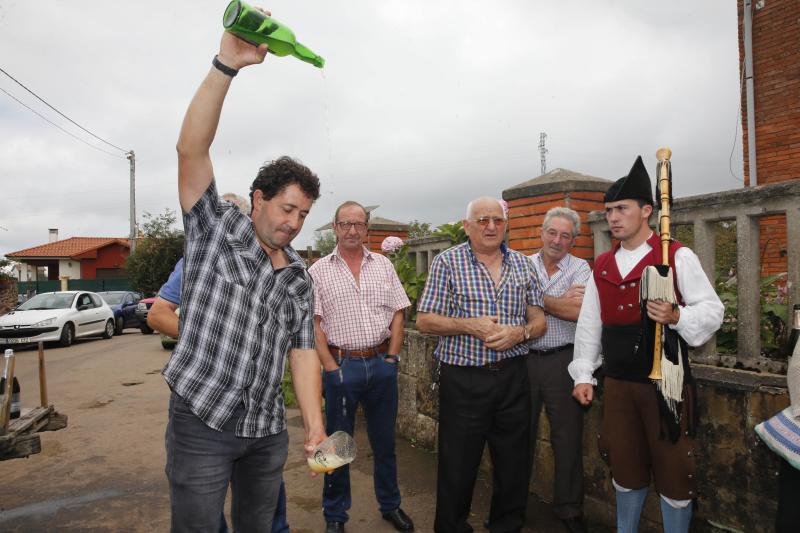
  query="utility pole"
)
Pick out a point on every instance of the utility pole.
point(543, 151)
point(130, 156)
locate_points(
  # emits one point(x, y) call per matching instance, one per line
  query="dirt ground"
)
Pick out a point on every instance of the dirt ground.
point(105, 471)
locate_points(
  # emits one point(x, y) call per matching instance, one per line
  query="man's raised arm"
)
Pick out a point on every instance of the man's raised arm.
point(202, 118)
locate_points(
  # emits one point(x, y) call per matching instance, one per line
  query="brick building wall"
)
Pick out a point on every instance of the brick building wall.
point(776, 91)
point(526, 216)
point(529, 202)
point(772, 245)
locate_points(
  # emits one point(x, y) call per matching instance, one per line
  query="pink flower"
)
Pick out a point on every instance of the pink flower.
point(391, 244)
point(504, 205)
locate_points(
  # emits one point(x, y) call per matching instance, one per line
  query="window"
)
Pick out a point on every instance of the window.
point(84, 301)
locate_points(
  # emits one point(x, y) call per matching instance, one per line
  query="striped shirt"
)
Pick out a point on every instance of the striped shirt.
point(239, 319)
point(571, 271)
point(356, 316)
point(460, 286)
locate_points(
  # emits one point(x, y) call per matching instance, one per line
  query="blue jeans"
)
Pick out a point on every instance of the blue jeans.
point(372, 382)
point(201, 462)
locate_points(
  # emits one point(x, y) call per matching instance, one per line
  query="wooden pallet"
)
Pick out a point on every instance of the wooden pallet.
point(22, 438)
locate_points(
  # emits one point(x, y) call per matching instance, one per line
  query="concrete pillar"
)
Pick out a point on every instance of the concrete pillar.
point(705, 248)
point(748, 270)
point(64, 283)
point(602, 238)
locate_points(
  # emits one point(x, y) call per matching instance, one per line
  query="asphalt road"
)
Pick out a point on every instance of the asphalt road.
point(105, 471)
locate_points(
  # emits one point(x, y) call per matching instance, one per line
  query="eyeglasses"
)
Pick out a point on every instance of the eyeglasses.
point(484, 221)
point(345, 226)
point(553, 234)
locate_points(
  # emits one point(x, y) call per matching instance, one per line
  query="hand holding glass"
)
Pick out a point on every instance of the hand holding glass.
point(337, 450)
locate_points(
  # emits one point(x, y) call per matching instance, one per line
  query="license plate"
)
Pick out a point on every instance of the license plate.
point(16, 341)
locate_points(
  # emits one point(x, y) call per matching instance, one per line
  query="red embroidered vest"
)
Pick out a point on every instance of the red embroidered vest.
point(619, 297)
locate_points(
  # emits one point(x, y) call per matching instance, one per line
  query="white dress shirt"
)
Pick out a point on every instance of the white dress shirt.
point(700, 318)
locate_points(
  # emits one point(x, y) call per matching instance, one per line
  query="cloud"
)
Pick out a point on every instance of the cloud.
point(422, 106)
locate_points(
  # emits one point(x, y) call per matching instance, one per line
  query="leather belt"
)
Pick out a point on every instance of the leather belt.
point(548, 351)
point(501, 364)
point(369, 352)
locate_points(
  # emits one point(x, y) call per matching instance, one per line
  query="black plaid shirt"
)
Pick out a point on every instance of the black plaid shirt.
point(239, 319)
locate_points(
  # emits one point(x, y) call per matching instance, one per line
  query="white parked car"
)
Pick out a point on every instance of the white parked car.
point(57, 316)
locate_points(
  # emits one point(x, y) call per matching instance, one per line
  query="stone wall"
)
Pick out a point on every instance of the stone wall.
point(736, 472)
point(8, 294)
point(418, 404)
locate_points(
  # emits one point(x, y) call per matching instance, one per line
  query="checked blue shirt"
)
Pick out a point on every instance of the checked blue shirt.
point(239, 320)
point(571, 271)
point(460, 286)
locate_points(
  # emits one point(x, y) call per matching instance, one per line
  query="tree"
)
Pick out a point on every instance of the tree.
point(324, 241)
point(418, 229)
point(6, 267)
point(155, 256)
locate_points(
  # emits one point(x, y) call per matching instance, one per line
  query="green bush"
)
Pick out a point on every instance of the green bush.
point(455, 232)
point(289, 399)
point(774, 309)
point(413, 283)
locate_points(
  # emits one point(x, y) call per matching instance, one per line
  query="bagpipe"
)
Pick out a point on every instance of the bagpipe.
point(670, 371)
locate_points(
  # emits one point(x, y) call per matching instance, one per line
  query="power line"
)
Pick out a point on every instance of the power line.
point(112, 154)
point(60, 113)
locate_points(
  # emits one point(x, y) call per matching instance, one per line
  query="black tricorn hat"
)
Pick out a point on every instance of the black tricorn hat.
point(634, 186)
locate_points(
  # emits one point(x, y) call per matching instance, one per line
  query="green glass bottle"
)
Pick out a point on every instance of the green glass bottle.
point(256, 28)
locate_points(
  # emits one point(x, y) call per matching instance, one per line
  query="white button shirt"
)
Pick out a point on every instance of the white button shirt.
point(701, 314)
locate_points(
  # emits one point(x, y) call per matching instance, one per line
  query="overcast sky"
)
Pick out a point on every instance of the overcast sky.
point(422, 105)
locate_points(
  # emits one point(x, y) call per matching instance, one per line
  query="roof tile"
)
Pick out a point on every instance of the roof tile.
point(68, 247)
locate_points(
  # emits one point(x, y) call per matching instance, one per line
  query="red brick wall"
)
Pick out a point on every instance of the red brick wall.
point(776, 80)
point(772, 245)
point(776, 89)
point(375, 238)
point(527, 214)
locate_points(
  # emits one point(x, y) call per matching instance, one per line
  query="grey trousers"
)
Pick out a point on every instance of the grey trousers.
point(552, 386)
point(201, 462)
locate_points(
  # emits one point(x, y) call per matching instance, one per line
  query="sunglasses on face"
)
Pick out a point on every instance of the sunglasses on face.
point(484, 221)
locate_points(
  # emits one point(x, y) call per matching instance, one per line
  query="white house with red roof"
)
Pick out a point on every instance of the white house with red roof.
point(75, 258)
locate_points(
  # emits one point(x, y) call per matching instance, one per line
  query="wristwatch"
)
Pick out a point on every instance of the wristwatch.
point(526, 336)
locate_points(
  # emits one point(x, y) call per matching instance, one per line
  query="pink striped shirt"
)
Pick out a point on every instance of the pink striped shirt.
point(356, 316)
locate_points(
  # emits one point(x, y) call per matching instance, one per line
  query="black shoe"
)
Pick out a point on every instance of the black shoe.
point(334, 527)
point(575, 524)
point(399, 520)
